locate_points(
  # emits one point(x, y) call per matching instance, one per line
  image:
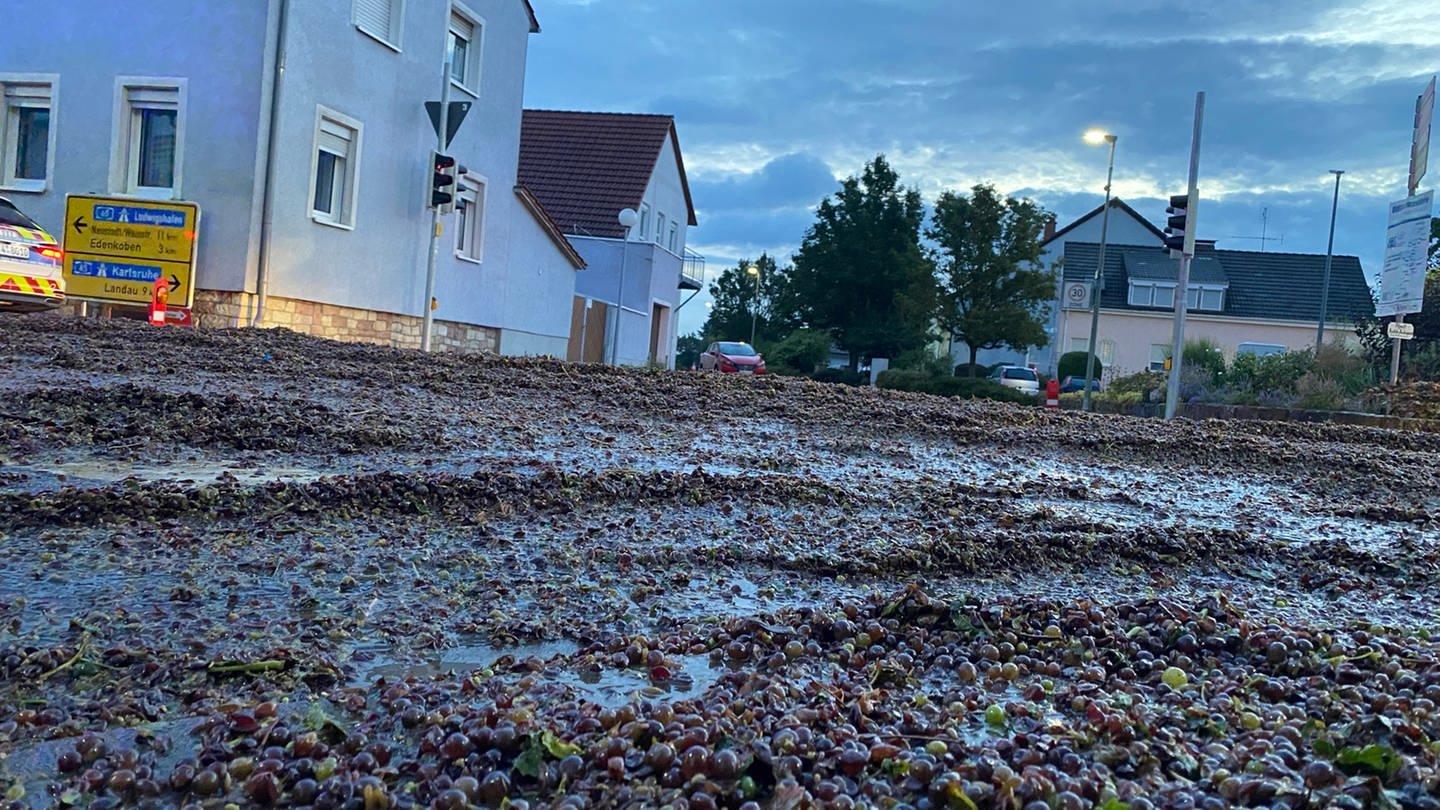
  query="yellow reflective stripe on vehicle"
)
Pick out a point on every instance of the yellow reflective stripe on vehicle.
point(29, 285)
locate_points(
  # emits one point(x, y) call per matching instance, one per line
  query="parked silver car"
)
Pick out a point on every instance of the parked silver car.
point(1018, 377)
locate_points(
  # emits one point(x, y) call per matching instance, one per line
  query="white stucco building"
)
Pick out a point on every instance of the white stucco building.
point(299, 128)
point(587, 167)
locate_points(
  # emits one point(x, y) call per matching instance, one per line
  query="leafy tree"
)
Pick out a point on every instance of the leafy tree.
point(992, 286)
point(688, 349)
point(860, 273)
point(800, 352)
point(1434, 263)
point(737, 300)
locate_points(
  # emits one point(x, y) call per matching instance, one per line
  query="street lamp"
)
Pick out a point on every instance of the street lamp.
point(627, 219)
point(1329, 253)
point(754, 270)
point(1096, 136)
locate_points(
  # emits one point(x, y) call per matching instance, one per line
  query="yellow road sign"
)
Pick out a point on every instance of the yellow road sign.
point(116, 247)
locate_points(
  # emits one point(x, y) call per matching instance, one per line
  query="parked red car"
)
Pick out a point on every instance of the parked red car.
point(732, 358)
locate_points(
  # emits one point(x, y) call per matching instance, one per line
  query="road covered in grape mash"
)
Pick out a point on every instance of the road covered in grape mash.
point(253, 567)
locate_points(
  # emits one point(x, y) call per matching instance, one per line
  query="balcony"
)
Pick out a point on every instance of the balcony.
point(692, 271)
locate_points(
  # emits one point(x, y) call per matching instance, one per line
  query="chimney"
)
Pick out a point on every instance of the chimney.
point(1049, 229)
point(1204, 246)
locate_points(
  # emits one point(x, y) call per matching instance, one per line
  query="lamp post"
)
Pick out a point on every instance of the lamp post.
point(1096, 136)
point(627, 218)
point(754, 270)
point(1329, 254)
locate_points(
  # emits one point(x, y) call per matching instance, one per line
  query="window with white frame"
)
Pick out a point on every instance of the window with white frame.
point(659, 228)
point(335, 172)
point(27, 132)
point(149, 146)
point(464, 47)
point(470, 219)
point(1107, 352)
point(1079, 344)
point(674, 234)
point(1205, 298)
point(1152, 294)
point(380, 19)
point(1158, 353)
point(644, 220)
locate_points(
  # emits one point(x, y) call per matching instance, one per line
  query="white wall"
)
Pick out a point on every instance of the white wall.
point(1122, 229)
point(1135, 332)
point(218, 48)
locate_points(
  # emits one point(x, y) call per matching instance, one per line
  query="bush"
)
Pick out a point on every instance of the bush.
point(965, 369)
point(843, 376)
point(1137, 383)
point(1072, 364)
point(1205, 355)
point(1271, 373)
point(800, 352)
point(923, 359)
point(958, 387)
point(1317, 392)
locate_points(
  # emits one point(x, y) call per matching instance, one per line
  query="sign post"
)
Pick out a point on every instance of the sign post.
point(1402, 286)
point(1182, 274)
point(117, 248)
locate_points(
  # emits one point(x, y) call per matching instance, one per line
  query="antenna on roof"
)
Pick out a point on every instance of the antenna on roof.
point(1264, 226)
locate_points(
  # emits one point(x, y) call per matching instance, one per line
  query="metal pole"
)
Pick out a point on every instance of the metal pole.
point(428, 316)
point(1099, 277)
point(1182, 280)
point(1329, 254)
point(620, 301)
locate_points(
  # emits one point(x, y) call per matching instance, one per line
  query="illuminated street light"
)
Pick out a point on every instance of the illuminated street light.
point(1096, 136)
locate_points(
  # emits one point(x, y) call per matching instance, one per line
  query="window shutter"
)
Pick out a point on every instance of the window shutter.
point(162, 97)
point(375, 16)
point(31, 94)
point(335, 138)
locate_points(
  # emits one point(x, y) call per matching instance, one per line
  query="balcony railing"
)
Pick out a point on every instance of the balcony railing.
point(692, 271)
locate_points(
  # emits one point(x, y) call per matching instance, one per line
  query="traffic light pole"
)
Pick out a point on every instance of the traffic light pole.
point(428, 314)
point(1182, 276)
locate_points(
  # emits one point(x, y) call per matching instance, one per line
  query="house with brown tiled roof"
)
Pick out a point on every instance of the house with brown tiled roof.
point(586, 168)
point(299, 129)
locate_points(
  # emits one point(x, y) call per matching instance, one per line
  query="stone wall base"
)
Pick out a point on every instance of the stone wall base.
point(219, 309)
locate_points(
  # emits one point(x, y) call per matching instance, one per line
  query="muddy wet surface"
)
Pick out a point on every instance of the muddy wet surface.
point(296, 572)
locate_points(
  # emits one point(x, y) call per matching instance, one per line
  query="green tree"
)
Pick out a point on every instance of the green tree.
point(737, 298)
point(1434, 263)
point(688, 349)
point(993, 289)
point(860, 273)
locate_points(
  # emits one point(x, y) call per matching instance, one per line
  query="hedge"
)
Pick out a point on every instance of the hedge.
point(959, 387)
point(1072, 364)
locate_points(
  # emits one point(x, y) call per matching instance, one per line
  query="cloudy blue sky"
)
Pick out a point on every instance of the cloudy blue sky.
point(777, 100)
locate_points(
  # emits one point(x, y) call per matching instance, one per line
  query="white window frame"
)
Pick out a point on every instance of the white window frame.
point(1149, 293)
point(1158, 353)
point(390, 39)
point(463, 15)
point(644, 221)
point(659, 227)
point(674, 232)
point(1107, 351)
point(473, 192)
point(334, 124)
point(1079, 344)
point(44, 94)
point(1196, 294)
point(132, 95)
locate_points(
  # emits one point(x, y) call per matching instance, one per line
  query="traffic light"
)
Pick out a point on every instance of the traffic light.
point(442, 184)
point(1180, 225)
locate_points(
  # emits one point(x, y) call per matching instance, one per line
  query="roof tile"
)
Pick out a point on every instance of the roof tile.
point(587, 166)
